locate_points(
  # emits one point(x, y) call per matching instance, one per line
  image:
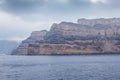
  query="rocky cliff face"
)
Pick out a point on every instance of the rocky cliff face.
point(88, 36)
point(92, 22)
point(35, 37)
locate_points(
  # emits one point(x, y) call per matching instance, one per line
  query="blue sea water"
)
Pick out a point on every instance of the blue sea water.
point(79, 67)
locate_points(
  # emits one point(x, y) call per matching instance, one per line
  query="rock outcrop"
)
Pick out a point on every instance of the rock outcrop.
point(88, 36)
point(35, 36)
point(92, 22)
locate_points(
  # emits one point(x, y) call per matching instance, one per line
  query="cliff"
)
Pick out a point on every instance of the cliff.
point(35, 37)
point(88, 36)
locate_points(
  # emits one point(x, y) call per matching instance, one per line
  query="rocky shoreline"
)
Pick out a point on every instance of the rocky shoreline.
point(87, 36)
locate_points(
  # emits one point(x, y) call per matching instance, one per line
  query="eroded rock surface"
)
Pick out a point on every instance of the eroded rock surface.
point(88, 36)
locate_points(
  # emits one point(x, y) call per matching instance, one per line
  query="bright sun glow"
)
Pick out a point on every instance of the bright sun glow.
point(98, 1)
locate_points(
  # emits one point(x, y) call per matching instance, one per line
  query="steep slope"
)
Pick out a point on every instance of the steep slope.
point(35, 37)
point(85, 37)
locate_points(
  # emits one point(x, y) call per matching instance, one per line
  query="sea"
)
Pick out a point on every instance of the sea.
point(60, 67)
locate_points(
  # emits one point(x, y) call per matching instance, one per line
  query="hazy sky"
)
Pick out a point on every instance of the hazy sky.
point(18, 18)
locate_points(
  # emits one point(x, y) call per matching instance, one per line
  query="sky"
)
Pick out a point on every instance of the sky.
point(18, 18)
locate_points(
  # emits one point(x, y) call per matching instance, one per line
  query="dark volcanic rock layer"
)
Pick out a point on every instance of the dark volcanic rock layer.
point(88, 36)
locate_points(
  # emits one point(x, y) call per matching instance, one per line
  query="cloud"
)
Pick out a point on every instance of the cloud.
point(56, 7)
point(114, 4)
point(19, 6)
point(62, 1)
point(12, 27)
point(42, 6)
point(99, 1)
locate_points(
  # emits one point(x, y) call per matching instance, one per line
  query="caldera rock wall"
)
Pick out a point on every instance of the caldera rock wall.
point(88, 36)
